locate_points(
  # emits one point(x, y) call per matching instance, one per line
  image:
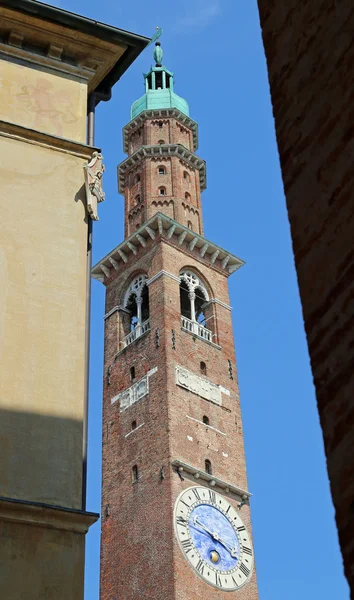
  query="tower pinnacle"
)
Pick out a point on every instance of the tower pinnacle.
point(159, 89)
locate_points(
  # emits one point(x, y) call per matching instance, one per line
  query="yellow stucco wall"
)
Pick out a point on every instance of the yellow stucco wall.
point(43, 238)
point(39, 100)
point(40, 564)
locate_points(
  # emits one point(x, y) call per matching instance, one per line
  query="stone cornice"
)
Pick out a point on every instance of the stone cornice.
point(46, 515)
point(170, 231)
point(63, 42)
point(160, 114)
point(161, 150)
point(204, 478)
point(32, 136)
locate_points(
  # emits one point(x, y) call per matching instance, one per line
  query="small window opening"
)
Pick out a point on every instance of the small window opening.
point(133, 425)
point(206, 420)
point(161, 142)
point(168, 77)
point(160, 124)
point(135, 473)
point(137, 178)
point(208, 467)
point(162, 170)
point(190, 226)
point(186, 175)
point(137, 226)
point(138, 199)
point(149, 79)
point(162, 191)
point(132, 373)
point(158, 80)
point(187, 197)
point(203, 368)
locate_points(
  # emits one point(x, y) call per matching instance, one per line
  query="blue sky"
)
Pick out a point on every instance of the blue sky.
point(215, 49)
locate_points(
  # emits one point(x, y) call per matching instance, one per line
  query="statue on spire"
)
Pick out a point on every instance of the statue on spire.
point(158, 54)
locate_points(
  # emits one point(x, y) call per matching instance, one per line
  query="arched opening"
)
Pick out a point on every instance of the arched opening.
point(206, 420)
point(138, 199)
point(136, 304)
point(193, 296)
point(186, 176)
point(132, 373)
point(162, 171)
point(162, 191)
point(133, 425)
point(187, 197)
point(160, 124)
point(208, 468)
point(137, 178)
point(135, 474)
point(203, 368)
point(190, 225)
point(161, 142)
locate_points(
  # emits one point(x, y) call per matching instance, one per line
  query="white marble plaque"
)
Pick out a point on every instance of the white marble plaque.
point(134, 393)
point(199, 385)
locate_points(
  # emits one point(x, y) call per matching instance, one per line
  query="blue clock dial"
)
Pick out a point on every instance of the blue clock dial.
point(213, 538)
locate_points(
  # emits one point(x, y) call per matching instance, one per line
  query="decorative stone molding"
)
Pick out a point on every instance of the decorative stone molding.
point(199, 385)
point(46, 515)
point(193, 244)
point(216, 301)
point(159, 114)
point(117, 308)
point(134, 393)
point(136, 288)
point(226, 488)
point(160, 274)
point(93, 171)
point(46, 140)
point(190, 159)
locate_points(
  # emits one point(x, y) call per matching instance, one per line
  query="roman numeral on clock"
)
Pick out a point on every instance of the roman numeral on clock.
point(181, 521)
point(242, 528)
point(200, 567)
point(212, 496)
point(244, 570)
point(187, 546)
point(247, 550)
point(196, 493)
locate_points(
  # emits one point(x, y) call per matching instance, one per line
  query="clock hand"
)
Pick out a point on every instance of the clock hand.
point(216, 537)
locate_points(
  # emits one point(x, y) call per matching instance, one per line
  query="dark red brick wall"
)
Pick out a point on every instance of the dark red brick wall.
point(310, 56)
point(142, 198)
point(140, 556)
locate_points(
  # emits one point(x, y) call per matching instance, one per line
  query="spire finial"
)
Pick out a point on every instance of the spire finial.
point(158, 52)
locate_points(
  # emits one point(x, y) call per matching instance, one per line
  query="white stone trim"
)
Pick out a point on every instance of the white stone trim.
point(202, 476)
point(134, 430)
point(201, 386)
point(205, 425)
point(219, 302)
point(159, 274)
point(116, 308)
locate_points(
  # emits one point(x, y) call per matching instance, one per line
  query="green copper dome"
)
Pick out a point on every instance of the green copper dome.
point(158, 89)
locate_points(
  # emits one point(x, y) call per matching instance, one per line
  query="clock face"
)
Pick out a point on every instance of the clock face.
point(213, 538)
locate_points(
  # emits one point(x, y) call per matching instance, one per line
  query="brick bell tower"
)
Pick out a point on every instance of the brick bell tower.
point(175, 503)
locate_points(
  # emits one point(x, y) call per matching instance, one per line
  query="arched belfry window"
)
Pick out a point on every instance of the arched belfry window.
point(136, 305)
point(193, 296)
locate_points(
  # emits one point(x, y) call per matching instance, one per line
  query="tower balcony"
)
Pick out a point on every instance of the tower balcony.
point(196, 328)
point(136, 333)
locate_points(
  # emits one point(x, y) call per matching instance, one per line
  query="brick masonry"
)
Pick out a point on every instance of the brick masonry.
point(310, 56)
point(140, 556)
